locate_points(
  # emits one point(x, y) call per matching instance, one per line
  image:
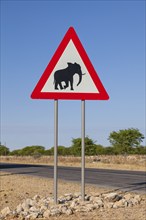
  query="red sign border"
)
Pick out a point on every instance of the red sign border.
point(70, 35)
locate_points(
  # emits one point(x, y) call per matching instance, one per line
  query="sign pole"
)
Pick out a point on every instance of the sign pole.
point(83, 150)
point(55, 149)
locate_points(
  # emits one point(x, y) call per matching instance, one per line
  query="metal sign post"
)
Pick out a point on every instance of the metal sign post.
point(83, 150)
point(55, 149)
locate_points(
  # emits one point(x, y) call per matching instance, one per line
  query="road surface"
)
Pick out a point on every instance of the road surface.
point(117, 179)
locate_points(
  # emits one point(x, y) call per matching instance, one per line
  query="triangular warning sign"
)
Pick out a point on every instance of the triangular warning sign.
point(70, 74)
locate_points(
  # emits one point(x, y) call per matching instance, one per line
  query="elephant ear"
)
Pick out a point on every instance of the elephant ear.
point(69, 64)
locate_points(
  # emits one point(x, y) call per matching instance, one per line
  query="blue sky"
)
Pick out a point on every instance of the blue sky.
point(113, 35)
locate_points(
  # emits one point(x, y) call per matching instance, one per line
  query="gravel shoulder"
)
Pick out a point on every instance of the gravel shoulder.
point(16, 188)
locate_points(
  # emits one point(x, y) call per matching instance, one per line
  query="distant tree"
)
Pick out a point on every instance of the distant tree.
point(90, 147)
point(16, 152)
point(68, 151)
point(52, 150)
point(139, 150)
point(32, 150)
point(76, 146)
point(100, 149)
point(48, 152)
point(64, 151)
point(4, 151)
point(111, 151)
point(124, 140)
point(61, 150)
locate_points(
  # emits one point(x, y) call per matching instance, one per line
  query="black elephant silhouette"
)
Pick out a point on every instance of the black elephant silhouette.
point(66, 75)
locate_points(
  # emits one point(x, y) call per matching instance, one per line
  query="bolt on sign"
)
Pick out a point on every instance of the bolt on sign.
point(70, 75)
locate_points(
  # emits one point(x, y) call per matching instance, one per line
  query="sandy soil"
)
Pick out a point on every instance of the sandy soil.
point(15, 188)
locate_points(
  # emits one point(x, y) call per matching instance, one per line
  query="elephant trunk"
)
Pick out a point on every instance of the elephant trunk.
point(80, 78)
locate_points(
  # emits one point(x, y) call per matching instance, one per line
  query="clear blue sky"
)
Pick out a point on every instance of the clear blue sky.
point(113, 35)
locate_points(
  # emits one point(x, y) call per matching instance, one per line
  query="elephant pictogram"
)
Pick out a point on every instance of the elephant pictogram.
point(66, 75)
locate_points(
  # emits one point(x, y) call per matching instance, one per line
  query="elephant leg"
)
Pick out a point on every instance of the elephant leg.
point(60, 84)
point(56, 85)
point(71, 84)
point(66, 84)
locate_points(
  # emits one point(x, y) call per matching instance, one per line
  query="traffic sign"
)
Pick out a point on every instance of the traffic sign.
point(70, 74)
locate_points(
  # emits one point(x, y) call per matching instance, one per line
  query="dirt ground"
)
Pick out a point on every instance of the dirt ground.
point(15, 188)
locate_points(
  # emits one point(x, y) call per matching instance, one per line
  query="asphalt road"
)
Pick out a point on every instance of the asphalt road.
point(117, 179)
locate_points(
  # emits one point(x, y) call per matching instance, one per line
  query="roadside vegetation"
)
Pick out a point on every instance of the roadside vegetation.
point(126, 141)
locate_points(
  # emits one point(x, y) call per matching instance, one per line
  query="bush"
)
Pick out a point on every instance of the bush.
point(4, 151)
point(29, 151)
point(90, 147)
point(124, 141)
point(15, 153)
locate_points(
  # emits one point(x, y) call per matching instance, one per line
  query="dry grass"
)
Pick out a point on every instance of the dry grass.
point(121, 162)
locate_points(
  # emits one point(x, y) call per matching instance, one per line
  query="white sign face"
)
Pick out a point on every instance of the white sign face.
point(65, 73)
